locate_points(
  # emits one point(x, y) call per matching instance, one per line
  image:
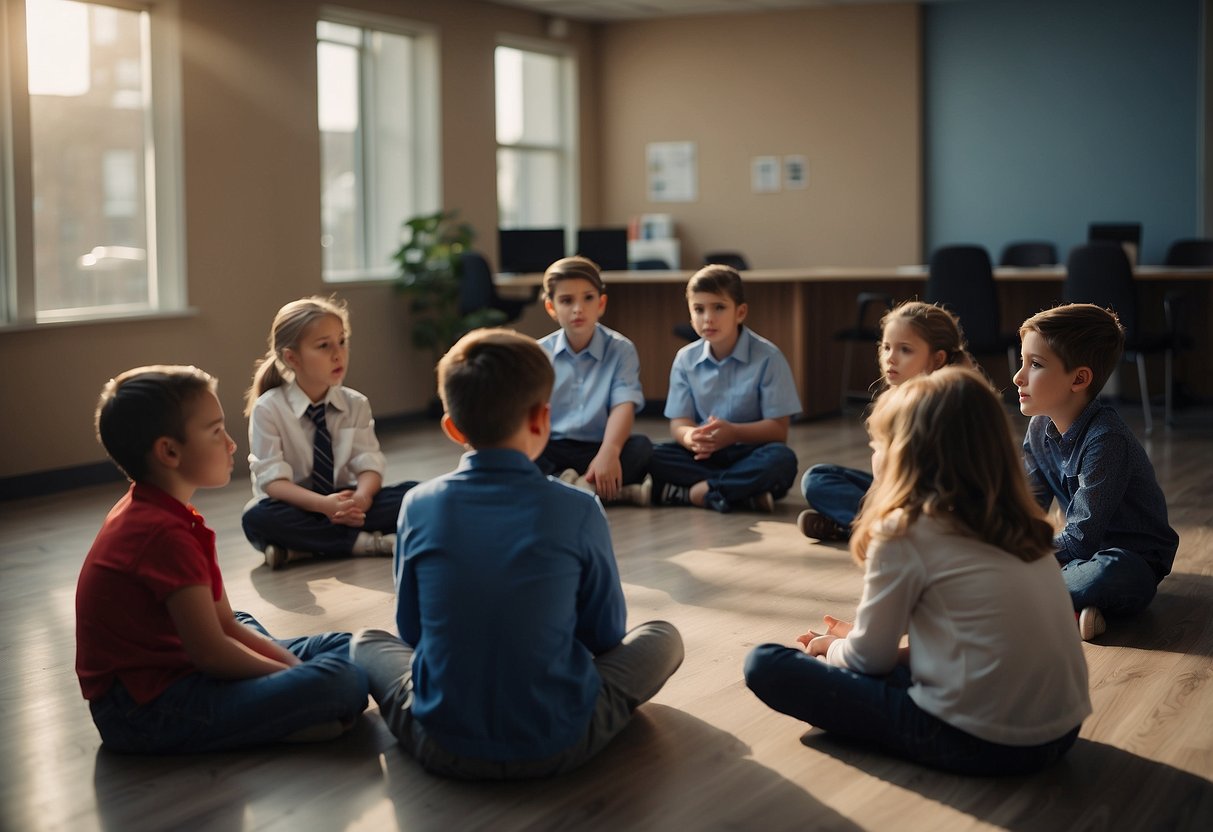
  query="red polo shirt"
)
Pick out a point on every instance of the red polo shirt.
point(150, 546)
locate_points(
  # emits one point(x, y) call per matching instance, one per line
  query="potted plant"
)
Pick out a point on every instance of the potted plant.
point(430, 275)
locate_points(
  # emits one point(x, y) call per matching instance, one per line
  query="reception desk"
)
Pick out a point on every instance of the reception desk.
point(801, 309)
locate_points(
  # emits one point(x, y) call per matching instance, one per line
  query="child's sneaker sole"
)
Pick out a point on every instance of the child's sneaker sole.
point(1091, 623)
point(816, 525)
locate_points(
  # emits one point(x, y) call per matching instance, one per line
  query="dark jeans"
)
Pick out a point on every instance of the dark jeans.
point(733, 474)
point(202, 713)
point(835, 491)
point(880, 711)
point(273, 521)
point(573, 453)
point(1116, 581)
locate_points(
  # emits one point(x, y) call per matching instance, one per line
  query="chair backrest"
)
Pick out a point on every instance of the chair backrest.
point(476, 290)
point(1028, 253)
point(1128, 234)
point(1196, 252)
point(650, 265)
point(732, 259)
point(961, 278)
point(1100, 273)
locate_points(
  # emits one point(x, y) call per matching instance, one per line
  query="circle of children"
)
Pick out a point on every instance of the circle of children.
point(964, 653)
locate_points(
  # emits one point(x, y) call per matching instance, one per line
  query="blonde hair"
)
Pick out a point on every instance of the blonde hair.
point(949, 455)
point(286, 332)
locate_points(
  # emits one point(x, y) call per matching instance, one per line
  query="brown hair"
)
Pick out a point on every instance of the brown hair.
point(717, 280)
point(141, 405)
point(490, 380)
point(937, 326)
point(567, 268)
point(1082, 335)
point(949, 454)
point(286, 332)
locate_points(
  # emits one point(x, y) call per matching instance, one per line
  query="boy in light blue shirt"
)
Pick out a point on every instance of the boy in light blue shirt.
point(730, 403)
point(597, 391)
point(512, 659)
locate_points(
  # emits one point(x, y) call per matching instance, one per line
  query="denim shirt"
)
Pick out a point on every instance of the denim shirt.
point(1105, 484)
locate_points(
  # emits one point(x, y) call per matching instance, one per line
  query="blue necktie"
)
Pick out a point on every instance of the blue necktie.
point(322, 457)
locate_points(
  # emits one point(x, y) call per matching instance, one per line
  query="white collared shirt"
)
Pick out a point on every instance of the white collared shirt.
point(281, 436)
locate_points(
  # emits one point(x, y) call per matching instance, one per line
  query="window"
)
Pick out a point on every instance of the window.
point(536, 185)
point(376, 82)
point(93, 217)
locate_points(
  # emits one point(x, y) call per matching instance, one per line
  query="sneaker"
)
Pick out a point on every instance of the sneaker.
point(568, 475)
point(816, 525)
point(674, 495)
point(763, 503)
point(277, 557)
point(374, 545)
point(1091, 623)
point(638, 494)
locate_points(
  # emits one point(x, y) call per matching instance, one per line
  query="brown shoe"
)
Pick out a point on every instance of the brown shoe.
point(819, 527)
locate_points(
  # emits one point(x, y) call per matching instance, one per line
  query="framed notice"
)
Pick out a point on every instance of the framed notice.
point(764, 174)
point(795, 173)
point(672, 174)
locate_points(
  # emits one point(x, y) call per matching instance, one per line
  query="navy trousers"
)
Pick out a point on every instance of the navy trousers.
point(733, 474)
point(576, 454)
point(273, 521)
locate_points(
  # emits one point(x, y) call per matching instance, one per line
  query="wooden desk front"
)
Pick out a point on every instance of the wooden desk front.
point(801, 309)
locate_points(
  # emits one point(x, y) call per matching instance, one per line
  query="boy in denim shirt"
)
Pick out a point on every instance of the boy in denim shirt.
point(1116, 545)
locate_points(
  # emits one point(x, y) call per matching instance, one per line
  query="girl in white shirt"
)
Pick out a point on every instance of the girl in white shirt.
point(331, 500)
point(959, 557)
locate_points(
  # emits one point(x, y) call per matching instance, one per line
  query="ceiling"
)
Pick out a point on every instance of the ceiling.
point(607, 10)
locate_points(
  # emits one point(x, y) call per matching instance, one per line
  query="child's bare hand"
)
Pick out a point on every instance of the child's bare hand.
point(710, 437)
point(816, 644)
point(341, 509)
point(837, 627)
point(606, 475)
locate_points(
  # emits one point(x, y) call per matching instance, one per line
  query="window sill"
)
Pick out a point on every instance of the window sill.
point(91, 320)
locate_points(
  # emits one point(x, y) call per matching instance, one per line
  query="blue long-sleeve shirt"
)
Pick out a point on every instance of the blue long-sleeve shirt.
point(507, 588)
point(1105, 484)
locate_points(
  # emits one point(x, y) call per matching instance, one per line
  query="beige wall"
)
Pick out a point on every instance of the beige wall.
point(252, 197)
point(840, 86)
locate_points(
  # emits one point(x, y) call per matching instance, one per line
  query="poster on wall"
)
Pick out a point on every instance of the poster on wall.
point(764, 174)
point(795, 173)
point(672, 175)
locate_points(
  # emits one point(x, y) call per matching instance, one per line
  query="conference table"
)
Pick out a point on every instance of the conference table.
point(801, 309)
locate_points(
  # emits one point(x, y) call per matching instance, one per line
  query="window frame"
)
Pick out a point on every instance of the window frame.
point(426, 145)
point(569, 152)
point(164, 154)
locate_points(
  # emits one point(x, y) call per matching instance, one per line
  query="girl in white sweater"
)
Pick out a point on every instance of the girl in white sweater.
point(959, 557)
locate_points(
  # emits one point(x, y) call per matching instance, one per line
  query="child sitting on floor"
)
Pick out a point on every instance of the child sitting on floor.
point(166, 665)
point(512, 659)
point(1116, 545)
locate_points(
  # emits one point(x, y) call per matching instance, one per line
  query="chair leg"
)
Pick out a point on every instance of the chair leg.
point(1168, 413)
point(1145, 392)
point(846, 376)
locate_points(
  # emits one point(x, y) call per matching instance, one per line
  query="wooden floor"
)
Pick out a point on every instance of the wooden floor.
point(705, 754)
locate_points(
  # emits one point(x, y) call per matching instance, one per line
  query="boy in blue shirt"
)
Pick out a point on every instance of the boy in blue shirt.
point(597, 391)
point(512, 659)
point(730, 402)
point(1116, 545)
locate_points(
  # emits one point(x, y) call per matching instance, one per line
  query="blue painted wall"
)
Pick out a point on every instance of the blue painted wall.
point(1045, 115)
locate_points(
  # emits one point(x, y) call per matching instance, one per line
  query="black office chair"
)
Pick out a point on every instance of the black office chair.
point(1195, 252)
point(865, 331)
point(477, 290)
point(961, 279)
point(1100, 273)
point(732, 259)
point(1127, 234)
point(1028, 254)
point(651, 264)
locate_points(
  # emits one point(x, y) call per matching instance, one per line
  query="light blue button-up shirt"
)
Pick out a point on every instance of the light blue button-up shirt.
point(590, 383)
point(754, 382)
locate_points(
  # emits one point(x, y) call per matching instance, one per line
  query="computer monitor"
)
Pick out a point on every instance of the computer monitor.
point(524, 250)
point(608, 247)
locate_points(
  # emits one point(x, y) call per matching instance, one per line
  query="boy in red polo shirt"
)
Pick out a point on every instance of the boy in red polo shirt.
point(163, 661)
